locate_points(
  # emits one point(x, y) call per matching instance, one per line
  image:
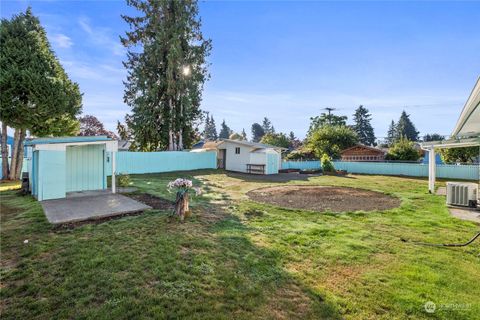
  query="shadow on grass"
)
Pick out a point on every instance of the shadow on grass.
point(145, 266)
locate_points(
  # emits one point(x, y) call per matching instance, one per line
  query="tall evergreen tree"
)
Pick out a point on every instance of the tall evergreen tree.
point(36, 93)
point(267, 126)
point(295, 143)
point(405, 128)
point(225, 131)
point(210, 132)
point(244, 135)
point(257, 132)
point(363, 127)
point(392, 135)
point(167, 68)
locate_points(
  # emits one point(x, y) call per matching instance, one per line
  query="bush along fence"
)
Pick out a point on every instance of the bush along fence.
point(447, 171)
point(164, 161)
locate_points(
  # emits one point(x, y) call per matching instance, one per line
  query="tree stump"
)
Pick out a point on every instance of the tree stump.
point(182, 205)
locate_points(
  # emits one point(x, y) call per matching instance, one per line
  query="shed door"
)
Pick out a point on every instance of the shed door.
point(85, 168)
point(272, 163)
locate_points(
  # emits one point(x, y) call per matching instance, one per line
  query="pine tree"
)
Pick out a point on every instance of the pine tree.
point(225, 131)
point(36, 93)
point(267, 126)
point(210, 132)
point(167, 69)
point(244, 135)
point(405, 128)
point(363, 127)
point(392, 134)
point(433, 137)
point(257, 132)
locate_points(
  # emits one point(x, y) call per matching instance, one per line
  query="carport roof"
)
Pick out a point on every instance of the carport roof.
point(66, 140)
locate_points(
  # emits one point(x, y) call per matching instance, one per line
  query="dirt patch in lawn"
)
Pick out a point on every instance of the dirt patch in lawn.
point(318, 198)
point(152, 201)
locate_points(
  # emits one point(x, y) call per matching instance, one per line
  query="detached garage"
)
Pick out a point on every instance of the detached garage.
point(249, 157)
point(72, 164)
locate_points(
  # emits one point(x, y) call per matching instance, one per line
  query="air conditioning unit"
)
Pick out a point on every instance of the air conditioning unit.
point(462, 194)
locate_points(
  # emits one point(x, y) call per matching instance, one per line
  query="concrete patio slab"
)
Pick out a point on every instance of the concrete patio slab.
point(90, 205)
point(468, 214)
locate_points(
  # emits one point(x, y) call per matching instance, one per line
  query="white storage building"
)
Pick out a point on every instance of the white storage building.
point(248, 157)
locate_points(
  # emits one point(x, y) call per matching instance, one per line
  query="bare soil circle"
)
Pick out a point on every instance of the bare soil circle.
point(320, 198)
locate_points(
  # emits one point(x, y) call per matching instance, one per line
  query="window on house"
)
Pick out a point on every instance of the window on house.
point(237, 150)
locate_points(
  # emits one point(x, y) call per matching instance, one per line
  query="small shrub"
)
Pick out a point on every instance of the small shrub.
point(327, 165)
point(404, 150)
point(123, 180)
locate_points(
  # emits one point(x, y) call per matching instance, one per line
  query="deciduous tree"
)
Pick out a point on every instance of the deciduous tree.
point(403, 149)
point(91, 126)
point(276, 139)
point(326, 119)
point(331, 140)
point(462, 155)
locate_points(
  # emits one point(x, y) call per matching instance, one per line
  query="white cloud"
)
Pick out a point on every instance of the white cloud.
point(61, 40)
point(104, 73)
point(101, 36)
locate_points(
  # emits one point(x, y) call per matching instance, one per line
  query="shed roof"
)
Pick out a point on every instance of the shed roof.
point(66, 140)
point(255, 145)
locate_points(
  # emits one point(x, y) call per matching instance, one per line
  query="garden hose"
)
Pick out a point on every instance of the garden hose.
point(444, 244)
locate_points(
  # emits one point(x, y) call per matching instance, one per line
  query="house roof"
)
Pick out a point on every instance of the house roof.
point(65, 140)
point(468, 124)
point(363, 147)
point(255, 145)
point(467, 130)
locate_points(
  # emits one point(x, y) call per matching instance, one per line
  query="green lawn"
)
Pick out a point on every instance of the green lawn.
point(236, 259)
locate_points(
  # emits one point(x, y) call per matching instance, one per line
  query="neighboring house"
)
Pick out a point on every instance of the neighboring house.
point(363, 153)
point(438, 158)
point(244, 156)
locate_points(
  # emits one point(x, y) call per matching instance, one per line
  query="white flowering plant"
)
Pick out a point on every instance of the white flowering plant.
point(183, 185)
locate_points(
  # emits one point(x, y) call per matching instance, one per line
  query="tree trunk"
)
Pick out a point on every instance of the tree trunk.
point(180, 140)
point(13, 163)
point(182, 205)
point(5, 166)
point(21, 151)
point(17, 154)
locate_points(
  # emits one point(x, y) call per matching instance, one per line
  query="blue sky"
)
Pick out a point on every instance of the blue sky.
point(288, 60)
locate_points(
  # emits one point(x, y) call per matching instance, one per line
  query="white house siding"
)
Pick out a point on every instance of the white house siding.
point(236, 162)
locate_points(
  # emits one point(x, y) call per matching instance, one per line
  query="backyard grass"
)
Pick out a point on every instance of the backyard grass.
point(237, 259)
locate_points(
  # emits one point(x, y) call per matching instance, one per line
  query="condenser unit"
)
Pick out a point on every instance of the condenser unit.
point(461, 194)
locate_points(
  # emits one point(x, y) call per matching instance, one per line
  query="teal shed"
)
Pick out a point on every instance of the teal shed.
point(58, 166)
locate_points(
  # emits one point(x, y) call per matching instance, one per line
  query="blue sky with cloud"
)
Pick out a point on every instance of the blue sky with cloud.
point(288, 60)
